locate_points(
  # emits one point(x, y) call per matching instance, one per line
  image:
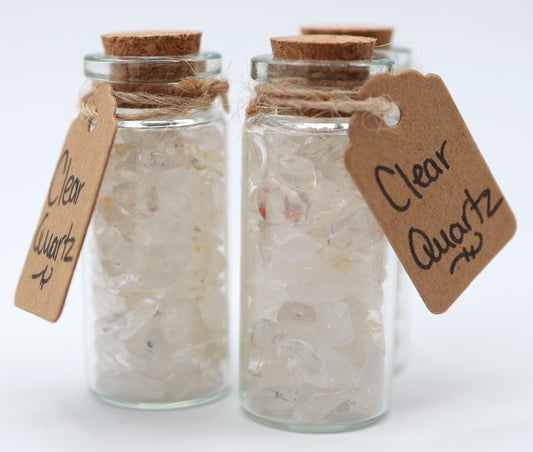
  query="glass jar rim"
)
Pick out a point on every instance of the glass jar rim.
point(262, 65)
point(393, 47)
point(111, 68)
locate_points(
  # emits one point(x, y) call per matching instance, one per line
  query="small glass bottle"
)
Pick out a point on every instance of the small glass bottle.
point(402, 60)
point(156, 303)
point(318, 285)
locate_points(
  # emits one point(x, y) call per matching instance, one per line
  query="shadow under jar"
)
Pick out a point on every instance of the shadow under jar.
point(156, 303)
point(318, 275)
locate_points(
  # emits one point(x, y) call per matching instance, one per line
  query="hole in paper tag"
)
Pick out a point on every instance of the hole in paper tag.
point(67, 211)
point(428, 186)
point(392, 117)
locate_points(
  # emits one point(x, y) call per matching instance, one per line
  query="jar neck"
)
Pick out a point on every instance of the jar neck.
point(138, 118)
point(318, 74)
point(311, 88)
point(156, 71)
point(158, 88)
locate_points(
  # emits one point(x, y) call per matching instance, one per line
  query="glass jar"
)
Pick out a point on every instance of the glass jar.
point(402, 60)
point(318, 275)
point(406, 291)
point(156, 303)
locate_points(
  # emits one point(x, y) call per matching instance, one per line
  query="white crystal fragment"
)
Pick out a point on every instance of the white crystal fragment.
point(158, 266)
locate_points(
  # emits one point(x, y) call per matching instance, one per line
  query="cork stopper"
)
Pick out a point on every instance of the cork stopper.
point(147, 75)
point(323, 47)
point(383, 35)
point(152, 43)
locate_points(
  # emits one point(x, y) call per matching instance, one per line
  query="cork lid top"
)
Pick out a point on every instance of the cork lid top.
point(152, 43)
point(323, 47)
point(151, 57)
point(383, 35)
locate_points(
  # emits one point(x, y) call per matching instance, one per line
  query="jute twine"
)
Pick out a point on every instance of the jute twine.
point(178, 99)
point(290, 99)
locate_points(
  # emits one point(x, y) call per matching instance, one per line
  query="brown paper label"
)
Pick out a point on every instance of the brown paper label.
point(429, 187)
point(67, 211)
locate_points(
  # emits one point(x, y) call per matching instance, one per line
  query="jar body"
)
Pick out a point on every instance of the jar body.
point(402, 328)
point(318, 281)
point(406, 291)
point(156, 303)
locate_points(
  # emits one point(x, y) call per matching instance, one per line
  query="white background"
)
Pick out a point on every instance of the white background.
point(469, 382)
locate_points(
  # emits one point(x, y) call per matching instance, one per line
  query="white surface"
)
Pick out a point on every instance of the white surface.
point(468, 386)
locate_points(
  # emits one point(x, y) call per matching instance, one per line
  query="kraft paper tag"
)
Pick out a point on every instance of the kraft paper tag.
point(428, 186)
point(67, 211)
